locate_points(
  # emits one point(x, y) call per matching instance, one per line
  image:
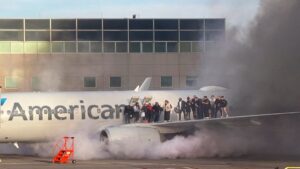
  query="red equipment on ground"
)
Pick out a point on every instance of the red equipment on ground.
point(66, 152)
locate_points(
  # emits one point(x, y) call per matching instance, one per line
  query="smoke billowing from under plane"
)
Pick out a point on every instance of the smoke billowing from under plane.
point(201, 144)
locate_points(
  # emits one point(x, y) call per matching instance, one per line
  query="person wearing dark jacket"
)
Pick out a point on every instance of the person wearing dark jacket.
point(156, 112)
point(199, 108)
point(218, 107)
point(223, 105)
point(206, 106)
point(181, 107)
point(127, 114)
point(136, 110)
point(193, 107)
point(213, 106)
point(188, 108)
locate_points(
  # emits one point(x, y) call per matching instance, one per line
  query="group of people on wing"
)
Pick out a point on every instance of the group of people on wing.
point(202, 107)
point(147, 113)
point(199, 107)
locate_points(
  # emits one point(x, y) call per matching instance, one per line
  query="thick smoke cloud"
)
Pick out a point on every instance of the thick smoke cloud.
point(262, 66)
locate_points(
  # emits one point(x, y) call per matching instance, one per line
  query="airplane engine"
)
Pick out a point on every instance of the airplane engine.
point(132, 133)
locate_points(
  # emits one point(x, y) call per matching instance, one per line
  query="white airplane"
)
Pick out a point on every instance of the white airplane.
point(39, 117)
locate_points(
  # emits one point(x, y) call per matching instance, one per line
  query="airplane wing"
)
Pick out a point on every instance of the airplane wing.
point(274, 125)
point(276, 120)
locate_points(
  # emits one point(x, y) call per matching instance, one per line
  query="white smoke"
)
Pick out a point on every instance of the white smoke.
point(201, 144)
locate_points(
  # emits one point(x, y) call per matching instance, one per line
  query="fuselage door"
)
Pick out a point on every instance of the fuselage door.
point(134, 99)
point(147, 99)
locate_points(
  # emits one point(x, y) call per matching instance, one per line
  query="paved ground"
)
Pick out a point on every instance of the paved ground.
point(30, 162)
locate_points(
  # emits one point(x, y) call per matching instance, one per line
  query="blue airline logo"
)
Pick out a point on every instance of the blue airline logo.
point(2, 101)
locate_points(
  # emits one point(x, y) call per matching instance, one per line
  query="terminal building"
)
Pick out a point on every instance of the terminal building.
point(104, 54)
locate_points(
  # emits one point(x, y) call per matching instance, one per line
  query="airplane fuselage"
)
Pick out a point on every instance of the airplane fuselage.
point(32, 117)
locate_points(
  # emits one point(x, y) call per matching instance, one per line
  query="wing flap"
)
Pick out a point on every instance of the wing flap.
point(250, 121)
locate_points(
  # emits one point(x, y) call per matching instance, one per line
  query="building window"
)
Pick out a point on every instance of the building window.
point(89, 23)
point(140, 24)
point(172, 47)
point(63, 23)
point(197, 47)
point(30, 47)
point(166, 81)
point(191, 36)
point(96, 47)
point(115, 24)
point(11, 35)
point(90, 82)
point(185, 47)
point(166, 24)
point(215, 24)
point(147, 47)
point(121, 47)
point(63, 35)
point(140, 35)
point(11, 24)
point(115, 81)
point(109, 47)
point(89, 35)
point(11, 82)
point(37, 36)
point(191, 81)
point(135, 47)
point(17, 47)
point(5, 47)
point(43, 47)
point(70, 47)
point(160, 47)
point(58, 47)
point(37, 24)
point(166, 35)
point(83, 47)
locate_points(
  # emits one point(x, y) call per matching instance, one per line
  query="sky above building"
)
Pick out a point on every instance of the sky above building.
point(236, 12)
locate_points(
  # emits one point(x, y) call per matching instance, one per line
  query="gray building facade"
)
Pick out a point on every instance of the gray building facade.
point(104, 54)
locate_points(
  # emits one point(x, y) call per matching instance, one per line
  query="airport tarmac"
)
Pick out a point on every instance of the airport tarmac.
point(32, 162)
